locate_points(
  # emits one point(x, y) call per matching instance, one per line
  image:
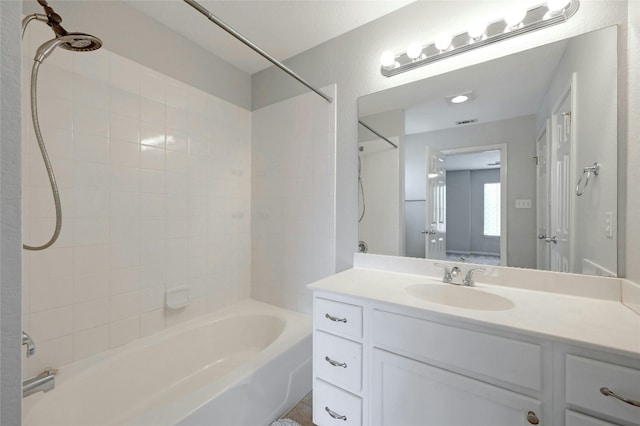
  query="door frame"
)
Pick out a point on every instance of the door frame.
point(546, 132)
point(503, 189)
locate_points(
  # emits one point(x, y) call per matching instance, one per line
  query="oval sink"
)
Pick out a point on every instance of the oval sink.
point(460, 297)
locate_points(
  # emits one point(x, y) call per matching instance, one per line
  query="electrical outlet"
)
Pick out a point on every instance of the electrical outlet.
point(523, 204)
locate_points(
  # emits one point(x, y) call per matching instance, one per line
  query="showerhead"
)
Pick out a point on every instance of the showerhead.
point(76, 42)
point(80, 42)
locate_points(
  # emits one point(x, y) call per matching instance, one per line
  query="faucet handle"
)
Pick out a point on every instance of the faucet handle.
point(449, 274)
point(28, 342)
point(468, 278)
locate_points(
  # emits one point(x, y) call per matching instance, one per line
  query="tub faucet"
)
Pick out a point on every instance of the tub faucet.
point(28, 342)
point(449, 274)
point(43, 382)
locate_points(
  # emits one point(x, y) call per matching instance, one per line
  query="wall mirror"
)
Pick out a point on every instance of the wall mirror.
point(509, 162)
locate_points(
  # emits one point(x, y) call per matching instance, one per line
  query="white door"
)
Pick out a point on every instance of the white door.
point(542, 196)
point(435, 207)
point(562, 190)
point(407, 392)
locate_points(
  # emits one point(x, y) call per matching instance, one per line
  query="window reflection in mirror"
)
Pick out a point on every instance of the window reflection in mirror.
point(544, 114)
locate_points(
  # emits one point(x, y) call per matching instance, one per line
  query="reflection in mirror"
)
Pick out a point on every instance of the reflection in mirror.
point(496, 163)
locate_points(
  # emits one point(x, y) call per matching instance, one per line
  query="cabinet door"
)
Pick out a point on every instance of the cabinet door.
point(407, 392)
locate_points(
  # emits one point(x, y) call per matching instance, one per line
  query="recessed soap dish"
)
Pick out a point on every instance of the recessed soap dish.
point(177, 297)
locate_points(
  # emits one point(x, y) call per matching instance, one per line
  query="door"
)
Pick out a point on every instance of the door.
point(562, 150)
point(407, 392)
point(542, 196)
point(435, 207)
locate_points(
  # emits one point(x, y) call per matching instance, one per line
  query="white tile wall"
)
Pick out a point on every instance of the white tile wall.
point(293, 207)
point(155, 184)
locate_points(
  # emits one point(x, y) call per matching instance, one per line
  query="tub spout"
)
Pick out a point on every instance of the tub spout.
point(43, 382)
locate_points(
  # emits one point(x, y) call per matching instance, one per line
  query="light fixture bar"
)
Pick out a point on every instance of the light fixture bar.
point(536, 18)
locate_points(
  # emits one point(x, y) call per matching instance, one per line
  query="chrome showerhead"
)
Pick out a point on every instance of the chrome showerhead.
point(76, 42)
point(80, 42)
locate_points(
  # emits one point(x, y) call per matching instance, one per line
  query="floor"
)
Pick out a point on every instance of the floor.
point(301, 413)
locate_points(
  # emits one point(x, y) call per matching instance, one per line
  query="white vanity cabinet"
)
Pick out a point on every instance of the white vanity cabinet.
point(599, 391)
point(429, 373)
point(382, 363)
point(337, 362)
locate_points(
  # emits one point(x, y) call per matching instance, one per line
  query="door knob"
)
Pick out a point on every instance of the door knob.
point(532, 418)
point(428, 232)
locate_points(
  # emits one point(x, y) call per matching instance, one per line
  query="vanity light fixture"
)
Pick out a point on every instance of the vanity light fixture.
point(517, 21)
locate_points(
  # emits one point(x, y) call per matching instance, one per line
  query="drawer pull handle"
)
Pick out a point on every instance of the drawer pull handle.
point(532, 418)
point(335, 319)
point(335, 363)
point(607, 392)
point(335, 415)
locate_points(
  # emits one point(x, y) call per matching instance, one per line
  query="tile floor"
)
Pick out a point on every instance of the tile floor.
point(301, 413)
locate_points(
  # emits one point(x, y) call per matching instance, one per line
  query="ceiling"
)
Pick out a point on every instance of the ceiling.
point(473, 161)
point(508, 87)
point(281, 28)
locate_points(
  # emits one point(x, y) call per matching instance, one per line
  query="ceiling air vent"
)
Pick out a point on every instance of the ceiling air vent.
point(463, 122)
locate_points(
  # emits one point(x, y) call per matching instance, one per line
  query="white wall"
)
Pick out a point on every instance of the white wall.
point(352, 62)
point(519, 136)
point(593, 58)
point(154, 178)
point(292, 198)
point(10, 232)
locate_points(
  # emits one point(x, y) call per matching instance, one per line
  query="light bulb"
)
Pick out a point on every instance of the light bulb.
point(460, 99)
point(556, 6)
point(515, 15)
point(388, 59)
point(477, 29)
point(414, 50)
point(443, 41)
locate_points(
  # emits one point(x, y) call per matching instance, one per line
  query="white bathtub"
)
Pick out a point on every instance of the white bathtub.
point(244, 365)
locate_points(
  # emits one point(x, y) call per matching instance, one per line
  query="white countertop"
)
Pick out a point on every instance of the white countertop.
point(607, 324)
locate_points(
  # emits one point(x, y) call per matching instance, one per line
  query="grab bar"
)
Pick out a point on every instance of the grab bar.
point(589, 170)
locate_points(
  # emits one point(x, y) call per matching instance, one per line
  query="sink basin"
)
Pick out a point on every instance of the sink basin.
point(460, 297)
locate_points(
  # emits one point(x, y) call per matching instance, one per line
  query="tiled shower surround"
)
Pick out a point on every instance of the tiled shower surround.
point(292, 198)
point(155, 184)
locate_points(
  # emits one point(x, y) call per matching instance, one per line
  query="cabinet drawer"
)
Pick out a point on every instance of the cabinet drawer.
point(584, 379)
point(334, 406)
point(338, 360)
point(507, 360)
point(575, 419)
point(337, 317)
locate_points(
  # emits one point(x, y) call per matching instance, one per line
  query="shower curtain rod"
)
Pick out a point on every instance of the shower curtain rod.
point(249, 43)
point(377, 134)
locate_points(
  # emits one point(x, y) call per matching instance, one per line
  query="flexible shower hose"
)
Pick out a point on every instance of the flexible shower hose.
point(45, 158)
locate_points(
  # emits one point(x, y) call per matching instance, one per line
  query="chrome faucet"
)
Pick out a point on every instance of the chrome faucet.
point(28, 342)
point(449, 274)
point(43, 382)
point(468, 278)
